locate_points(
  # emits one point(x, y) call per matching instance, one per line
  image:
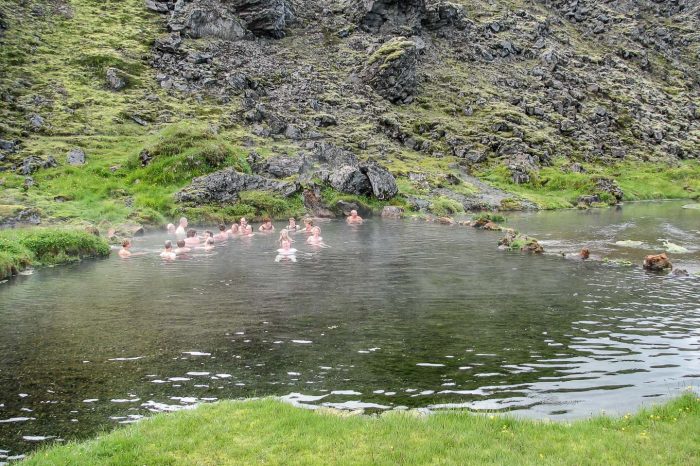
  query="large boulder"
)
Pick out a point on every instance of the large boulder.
point(349, 179)
point(383, 183)
point(392, 15)
point(279, 166)
point(116, 79)
point(226, 185)
point(610, 187)
point(76, 157)
point(391, 70)
point(232, 19)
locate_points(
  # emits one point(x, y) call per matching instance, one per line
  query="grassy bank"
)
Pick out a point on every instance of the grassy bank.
point(21, 248)
point(268, 431)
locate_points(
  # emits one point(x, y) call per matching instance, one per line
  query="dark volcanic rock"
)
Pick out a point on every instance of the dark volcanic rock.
point(31, 164)
point(231, 19)
point(390, 15)
point(280, 166)
point(349, 179)
point(383, 183)
point(226, 185)
point(609, 186)
point(391, 70)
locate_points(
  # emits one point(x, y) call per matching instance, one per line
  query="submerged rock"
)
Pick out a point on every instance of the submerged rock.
point(226, 186)
point(657, 263)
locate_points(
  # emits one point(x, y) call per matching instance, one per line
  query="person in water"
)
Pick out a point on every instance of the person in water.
point(234, 230)
point(222, 235)
point(353, 218)
point(248, 231)
point(292, 225)
point(182, 227)
point(209, 243)
point(171, 228)
point(286, 251)
point(284, 236)
point(308, 225)
point(315, 237)
point(168, 252)
point(267, 225)
point(244, 224)
point(181, 248)
point(124, 251)
point(192, 238)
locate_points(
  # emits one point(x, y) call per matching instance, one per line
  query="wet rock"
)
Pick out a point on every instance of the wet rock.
point(116, 79)
point(391, 70)
point(391, 211)
point(657, 263)
point(314, 204)
point(588, 200)
point(491, 226)
point(75, 157)
point(680, 273)
point(226, 185)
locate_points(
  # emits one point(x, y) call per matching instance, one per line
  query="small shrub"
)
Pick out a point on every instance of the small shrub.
point(444, 206)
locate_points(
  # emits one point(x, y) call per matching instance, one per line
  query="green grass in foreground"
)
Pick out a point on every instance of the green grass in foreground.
point(268, 431)
point(41, 246)
point(556, 187)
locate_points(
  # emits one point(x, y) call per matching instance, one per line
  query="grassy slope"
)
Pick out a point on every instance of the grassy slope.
point(63, 61)
point(268, 431)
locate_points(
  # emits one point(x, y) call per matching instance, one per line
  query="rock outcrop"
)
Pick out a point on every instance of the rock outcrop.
point(391, 70)
point(226, 185)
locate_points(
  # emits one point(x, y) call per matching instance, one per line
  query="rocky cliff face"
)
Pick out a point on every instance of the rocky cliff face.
point(457, 84)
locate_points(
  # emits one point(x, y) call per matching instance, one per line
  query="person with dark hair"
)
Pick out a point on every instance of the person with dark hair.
point(267, 225)
point(168, 251)
point(181, 248)
point(222, 235)
point(192, 238)
point(124, 251)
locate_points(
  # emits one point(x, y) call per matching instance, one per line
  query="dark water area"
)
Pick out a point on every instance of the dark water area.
point(393, 314)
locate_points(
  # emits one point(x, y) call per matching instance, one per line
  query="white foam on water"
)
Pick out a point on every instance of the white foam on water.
point(196, 353)
point(302, 342)
point(127, 359)
point(125, 400)
point(159, 381)
point(429, 364)
point(223, 376)
point(37, 438)
point(156, 407)
point(692, 206)
point(198, 374)
point(355, 405)
point(91, 400)
point(16, 419)
point(293, 373)
point(301, 398)
point(178, 379)
point(628, 243)
point(184, 399)
point(345, 392)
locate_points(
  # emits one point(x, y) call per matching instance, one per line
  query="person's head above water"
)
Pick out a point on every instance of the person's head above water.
point(585, 253)
point(286, 244)
point(222, 228)
point(191, 233)
point(234, 228)
point(168, 245)
point(292, 221)
point(353, 213)
point(209, 234)
point(183, 222)
point(126, 244)
point(244, 222)
point(316, 231)
point(170, 228)
point(181, 243)
point(249, 229)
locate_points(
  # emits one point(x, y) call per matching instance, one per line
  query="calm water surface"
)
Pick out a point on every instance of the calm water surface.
point(392, 314)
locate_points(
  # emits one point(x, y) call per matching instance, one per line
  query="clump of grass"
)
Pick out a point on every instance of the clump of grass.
point(46, 246)
point(444, 206)
point(268, 431)
point(486, 217)
point(272, 205)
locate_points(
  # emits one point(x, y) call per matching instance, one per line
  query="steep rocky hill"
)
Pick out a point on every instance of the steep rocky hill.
point(414, 102)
